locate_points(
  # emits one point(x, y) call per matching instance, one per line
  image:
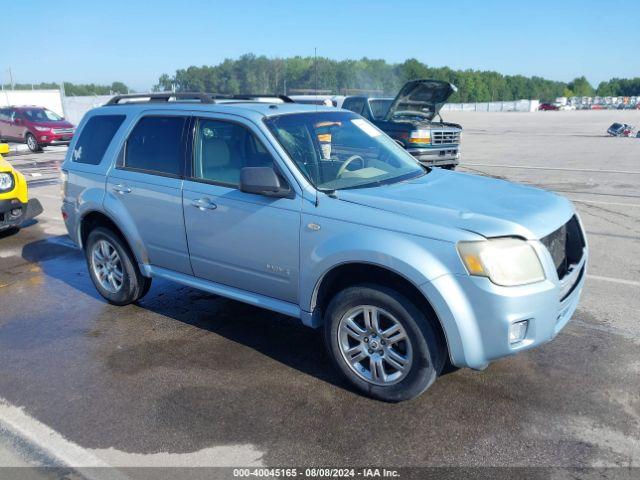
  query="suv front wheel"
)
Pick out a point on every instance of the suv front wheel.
point(113, 268)
point(382, 343)
point(32, 143)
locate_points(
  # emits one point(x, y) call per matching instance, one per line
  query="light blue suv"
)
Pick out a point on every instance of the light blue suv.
point(315, 213)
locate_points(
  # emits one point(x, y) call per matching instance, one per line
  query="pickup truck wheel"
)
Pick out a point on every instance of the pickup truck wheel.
point(113, 268)
point(382, 343)
point(32, 143)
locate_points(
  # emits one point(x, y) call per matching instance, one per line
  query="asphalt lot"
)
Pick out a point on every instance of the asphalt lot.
point(186, 378)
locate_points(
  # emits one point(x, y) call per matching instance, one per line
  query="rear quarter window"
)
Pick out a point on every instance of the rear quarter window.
point(95, 137)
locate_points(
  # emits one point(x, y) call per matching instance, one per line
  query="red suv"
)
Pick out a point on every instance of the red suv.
point(35, 126)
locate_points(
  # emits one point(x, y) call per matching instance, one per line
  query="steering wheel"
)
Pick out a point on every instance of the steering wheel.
point(347, 162)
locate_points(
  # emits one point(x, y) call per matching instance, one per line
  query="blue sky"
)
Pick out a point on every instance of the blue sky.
point(135, 41)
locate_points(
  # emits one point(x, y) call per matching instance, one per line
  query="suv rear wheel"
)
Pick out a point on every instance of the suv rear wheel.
point(32, 143)
point(382, 343)
point(113, 268)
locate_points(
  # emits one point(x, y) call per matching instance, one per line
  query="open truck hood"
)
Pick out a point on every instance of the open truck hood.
point(420, 98)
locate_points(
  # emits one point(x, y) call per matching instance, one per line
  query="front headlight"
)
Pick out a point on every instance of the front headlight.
point(43, 129)
point(505, 261)
point(420, 136)
point(6, 182)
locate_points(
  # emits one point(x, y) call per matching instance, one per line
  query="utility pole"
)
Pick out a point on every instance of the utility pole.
point(11, 80)
point(62, 99)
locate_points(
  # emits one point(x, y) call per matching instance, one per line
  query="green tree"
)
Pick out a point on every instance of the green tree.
point(259, 74)
point(581, 87)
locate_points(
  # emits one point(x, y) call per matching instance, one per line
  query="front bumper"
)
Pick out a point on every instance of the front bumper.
point(50, 138)
point(437, 157)
point(13, 212)
point(476, 313)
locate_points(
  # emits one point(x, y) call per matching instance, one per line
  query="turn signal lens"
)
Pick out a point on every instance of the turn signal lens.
point(474, 265)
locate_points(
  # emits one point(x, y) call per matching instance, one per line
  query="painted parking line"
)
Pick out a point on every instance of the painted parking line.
point(51, 442)
point(622, 281)
point(564, 169)
point(46, 195)
point(599, 202)
point(91, 463)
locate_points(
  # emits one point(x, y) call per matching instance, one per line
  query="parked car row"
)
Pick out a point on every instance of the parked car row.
point(595, 106)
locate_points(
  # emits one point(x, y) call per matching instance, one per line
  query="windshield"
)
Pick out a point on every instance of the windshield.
point(41, 115)
point(342, 150)
point(380, 107)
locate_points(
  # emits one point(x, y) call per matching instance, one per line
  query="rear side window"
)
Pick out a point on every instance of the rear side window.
point(355, 104)
point(95, 138)
point(155, 146)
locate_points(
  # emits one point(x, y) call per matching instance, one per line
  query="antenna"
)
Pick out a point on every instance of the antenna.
point(315, 62)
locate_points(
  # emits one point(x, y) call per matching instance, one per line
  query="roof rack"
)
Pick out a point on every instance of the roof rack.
point(162, 97)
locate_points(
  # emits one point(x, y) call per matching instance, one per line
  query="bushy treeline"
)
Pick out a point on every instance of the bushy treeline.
point(259, 74)
point(76, 89)
point(625, 87)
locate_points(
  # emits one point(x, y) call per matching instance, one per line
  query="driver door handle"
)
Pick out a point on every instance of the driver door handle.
point(204, 204)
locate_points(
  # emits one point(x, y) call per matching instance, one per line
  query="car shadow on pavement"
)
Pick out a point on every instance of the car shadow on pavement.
point(281, 338)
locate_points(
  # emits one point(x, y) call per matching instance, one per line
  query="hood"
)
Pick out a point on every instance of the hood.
point(54, 124)
point(482, 205)
point(4, 165)
point(423, 98)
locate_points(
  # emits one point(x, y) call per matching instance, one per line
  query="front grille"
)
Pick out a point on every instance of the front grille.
point(445, 137)
point(565, 245)
point(62, 131)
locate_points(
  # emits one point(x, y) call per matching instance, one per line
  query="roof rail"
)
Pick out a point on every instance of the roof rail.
point(162, 97)
point(253, 96)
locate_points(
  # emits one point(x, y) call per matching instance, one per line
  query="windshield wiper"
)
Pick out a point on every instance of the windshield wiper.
point(390, 181)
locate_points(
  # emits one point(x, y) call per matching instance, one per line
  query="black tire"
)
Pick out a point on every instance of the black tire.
point(429, 354)
point(134, 284)
point(32, 143)
point(7, 232)
point(145, 288)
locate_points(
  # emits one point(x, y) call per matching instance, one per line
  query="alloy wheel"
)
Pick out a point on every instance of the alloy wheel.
point(107, 266)
point(375, 345)
point(31, 143)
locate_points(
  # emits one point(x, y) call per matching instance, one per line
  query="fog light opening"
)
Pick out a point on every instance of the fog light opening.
point(518, 331)
point(15, 212)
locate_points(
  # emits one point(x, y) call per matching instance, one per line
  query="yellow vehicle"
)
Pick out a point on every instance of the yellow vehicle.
point(15, 206)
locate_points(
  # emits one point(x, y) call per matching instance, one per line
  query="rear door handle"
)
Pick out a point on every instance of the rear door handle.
point(204, 204)
point(121, 189)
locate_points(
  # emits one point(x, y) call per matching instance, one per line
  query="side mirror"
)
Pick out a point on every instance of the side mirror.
point(262, 181)
point(17, 121)
point(4, 148)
